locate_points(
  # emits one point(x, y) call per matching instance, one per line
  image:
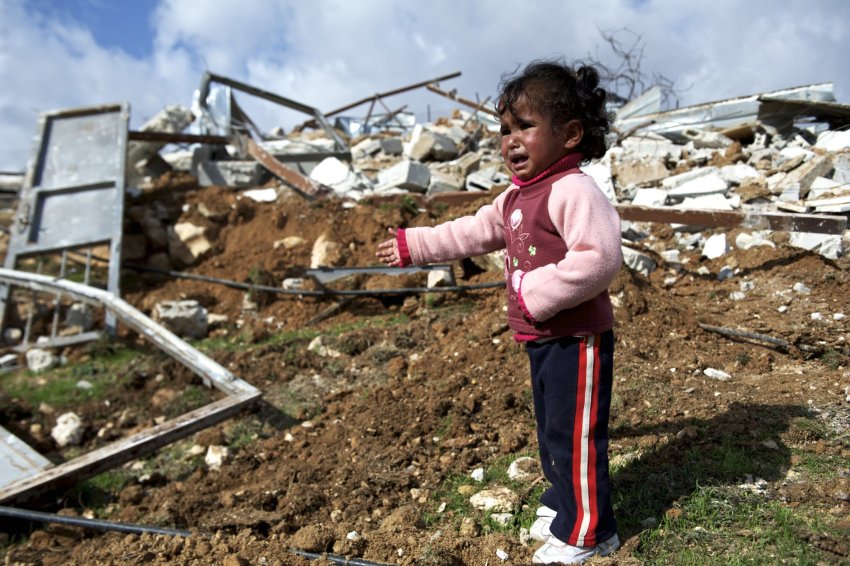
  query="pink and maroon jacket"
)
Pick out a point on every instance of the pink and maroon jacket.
point(561, 237)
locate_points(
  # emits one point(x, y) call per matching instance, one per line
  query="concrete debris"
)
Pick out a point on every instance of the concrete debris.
point(184, 318)
point(39, 360)
point(68, 430)
point(496, 500)
point(405, 176)
point(187, 242)
point(637, 261)
point(524, 469)
point(715, 246)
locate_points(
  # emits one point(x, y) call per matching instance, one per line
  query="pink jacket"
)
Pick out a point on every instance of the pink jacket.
point(562, 241)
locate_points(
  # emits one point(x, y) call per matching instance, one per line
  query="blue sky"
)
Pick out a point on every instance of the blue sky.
point(58, 54)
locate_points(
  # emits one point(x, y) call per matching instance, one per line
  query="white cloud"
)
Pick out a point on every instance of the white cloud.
point(328, 53)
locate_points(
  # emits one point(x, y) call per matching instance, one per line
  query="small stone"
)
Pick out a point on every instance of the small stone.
point(68, 430)
point(717, 374)
point(501, 554)
point(469, 527)
point(216, 456)
point(524, 469)
point(477, 474)
point(801, 288)
point(816, 316)
point(498, 499)
point(502, 519)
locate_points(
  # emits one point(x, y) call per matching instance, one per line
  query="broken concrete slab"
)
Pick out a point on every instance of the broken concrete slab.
point(707, 183)
point(187, 242)
point(184, 318)
point(638, 261)
point(229, 173)
point(407, 175)
point(828, 245)
point(486, 179)
point(444, 182)
point(639, 171)
point(650, 197)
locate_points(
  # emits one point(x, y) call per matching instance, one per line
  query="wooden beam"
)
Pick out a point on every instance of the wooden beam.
point(471, 103)
point(303, 184)
point(779, 221)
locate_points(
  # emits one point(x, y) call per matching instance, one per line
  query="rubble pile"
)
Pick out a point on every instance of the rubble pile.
point(750, 166)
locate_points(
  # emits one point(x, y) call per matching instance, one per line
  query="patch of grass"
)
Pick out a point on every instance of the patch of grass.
point(833, 359)
point(97, 492)
point(58, 387)
point(191, 397)
point(819, 466)
point(726, 526)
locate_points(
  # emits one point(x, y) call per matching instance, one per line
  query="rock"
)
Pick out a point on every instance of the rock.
point(498, 500)
point(503, 519)
point(442, 182)
point(39, 360)
point(469, 528)
point(187, 242)
point(289, 242)
point(440, 278)
point(325, 253)
point(637, 261)
point(229, 173)
point(715, 246)
point(477, 474)
point(261, 195)
point(524, 469)
point(828, 245)
point(717, 374)
point(68, 430)
point(801, 288)
point(339, 176)
point(184, 318)
point(746, 241)
point(216, 456)
point(486, 179)
point(650, 197)
point(407, 175)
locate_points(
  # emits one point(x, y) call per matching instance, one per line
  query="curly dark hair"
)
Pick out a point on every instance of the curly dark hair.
point(562, 93)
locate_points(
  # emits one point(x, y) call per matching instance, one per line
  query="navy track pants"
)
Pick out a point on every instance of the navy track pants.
point(571, 380)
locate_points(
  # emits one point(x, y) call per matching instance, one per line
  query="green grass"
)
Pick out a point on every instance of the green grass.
point(727, 526)
point(58, 387)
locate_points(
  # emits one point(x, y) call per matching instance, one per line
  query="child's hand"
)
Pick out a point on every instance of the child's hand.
point(388, 251)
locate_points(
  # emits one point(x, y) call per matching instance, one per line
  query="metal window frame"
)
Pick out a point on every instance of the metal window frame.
point(240, 394)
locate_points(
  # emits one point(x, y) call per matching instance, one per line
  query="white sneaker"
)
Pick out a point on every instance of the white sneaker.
point(540, 527)
point(555, 551)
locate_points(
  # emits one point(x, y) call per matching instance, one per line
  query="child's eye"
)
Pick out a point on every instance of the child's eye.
point(505, 131)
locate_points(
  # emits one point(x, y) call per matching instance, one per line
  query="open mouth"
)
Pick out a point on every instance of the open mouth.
point(518, 160)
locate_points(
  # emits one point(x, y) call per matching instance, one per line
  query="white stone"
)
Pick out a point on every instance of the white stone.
point(184, 318)
point(637, 261)
point(737, 296)
point(498, 500)
point(717, 374)
point(816, 316)
point(216, 456)
point(747, 286)
point(502, 519)
point(325, 252)
point(337, 175)
point(700, 186)
point(486, 179)
point(746, 241)
point(440, 278)
point(68, 430)
point(187, 242)
point(501, 554)
point(650, 197)
point(524, 469)
point(352, 535)
point(839, 316)
point(318, 347)
point(801, 288)
point(477, 474)
point(834, 140)
point(408, 175)
point(293, 283)
point(39, 360)
point(84, 384)
point(822, 185)
point(827, 245)
point(261, 195)
point(782, 309)
point(715, 246)
point(601, 173)
point(289, 242)
point(738, 173)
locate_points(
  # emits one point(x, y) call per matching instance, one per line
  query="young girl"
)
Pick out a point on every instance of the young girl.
point(562, 242)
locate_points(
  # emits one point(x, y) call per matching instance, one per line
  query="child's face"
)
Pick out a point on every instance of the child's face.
point(529, 143)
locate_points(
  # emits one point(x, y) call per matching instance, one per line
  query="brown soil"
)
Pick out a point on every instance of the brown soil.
point(363, 441)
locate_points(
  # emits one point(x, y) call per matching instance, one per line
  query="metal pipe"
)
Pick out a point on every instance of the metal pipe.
point(307, 293)
point(95, 524)
point(336, 558)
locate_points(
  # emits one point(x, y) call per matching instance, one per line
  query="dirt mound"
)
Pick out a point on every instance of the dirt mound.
point(355, 448)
